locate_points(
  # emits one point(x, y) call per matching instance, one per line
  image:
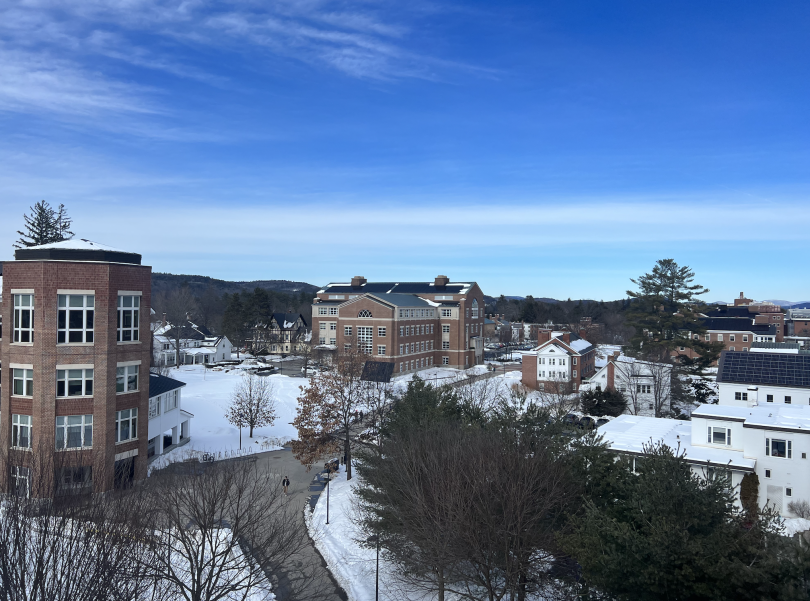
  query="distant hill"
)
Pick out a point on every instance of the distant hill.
point(163, 282)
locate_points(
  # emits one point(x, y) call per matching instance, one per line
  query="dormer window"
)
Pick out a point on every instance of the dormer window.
point(719, 435)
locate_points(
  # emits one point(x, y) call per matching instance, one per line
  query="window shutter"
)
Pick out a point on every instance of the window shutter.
point(767, 446)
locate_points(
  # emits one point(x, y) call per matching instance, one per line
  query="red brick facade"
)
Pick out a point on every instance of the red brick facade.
point(46, 279)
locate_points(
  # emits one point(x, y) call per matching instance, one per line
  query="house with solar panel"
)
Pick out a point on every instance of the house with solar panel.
point(761, 426)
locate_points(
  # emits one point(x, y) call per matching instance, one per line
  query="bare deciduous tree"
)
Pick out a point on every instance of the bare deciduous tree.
point(253, 404)
point(629, 375)
point(661, 377)
point(179, 305)
point(557, 397)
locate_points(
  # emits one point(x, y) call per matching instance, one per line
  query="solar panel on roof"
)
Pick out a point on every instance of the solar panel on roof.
point(764, 368)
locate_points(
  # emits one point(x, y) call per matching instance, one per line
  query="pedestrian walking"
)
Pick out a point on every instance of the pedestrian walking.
point(286, 484)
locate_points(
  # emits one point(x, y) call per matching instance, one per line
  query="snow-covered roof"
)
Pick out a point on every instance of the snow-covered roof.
point(76, 244)
point(788, 417)
point(631, 433)
point(580, 345)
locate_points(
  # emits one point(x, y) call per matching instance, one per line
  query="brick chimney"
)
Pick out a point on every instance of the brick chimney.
point(441, 281)
point(543, 336)
point(358, 281)
point(566, 337)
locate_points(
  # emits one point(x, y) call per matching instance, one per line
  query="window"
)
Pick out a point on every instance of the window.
point(381, 331)
point(128, 312)
point(333, 341)
point(740, 396)
point(683, 348)
point(347, 347)
point(74, 320)
point(769, 398)
point(779, 448)
point(400, 349)
point(445, 344)
point(788, 400)
point(401, 330)
point(731, 338)
point(74, 382)
point(74, 477)
point(365, 313)
point(447, 312)
point(445, 360)
point(767, 473)
point(788, 492)
point(719, 338)
point(475, 309)
point(171, 401)
point(719, 435)
point(321, 310)
point(322, 340)
point(333, 310)
point(407, 330)
point(333, 326)
point(731, 348)
point(708, 337)
point(126, 379)
point(347, 330)
point(381, 349)
point(575, 373)
point(21, 431)
point(21, 478)
point(323, 326)
point(575, 360)
point(643, 388)
point(445, 329)
point(126, 425)
point(23, 384)
point(365, 337)
point(23, 318)
point(74, 431)
point(336, 297)
point(745, 337)
point(154, 406)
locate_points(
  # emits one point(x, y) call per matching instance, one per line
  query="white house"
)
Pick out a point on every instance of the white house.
point(764, 376)
point(169, 423)
point(645, 384)
point(197, 345)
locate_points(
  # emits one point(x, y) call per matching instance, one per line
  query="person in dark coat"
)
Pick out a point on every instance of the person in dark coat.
point(286, 484)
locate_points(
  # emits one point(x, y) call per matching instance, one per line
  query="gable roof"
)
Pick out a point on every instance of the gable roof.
point(401, 300)
point(288, 318)
point(736, 324)
point(775, 369)
point(161, 384)
point(398, 288)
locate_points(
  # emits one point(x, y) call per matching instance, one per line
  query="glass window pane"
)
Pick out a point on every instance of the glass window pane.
point(74, 374)
point(74, 387)
point(76, 320)
point(88, 435)
point(91, 301)
point(76, 301)
point(90, 315)
point(74, 437)
point(127, 301)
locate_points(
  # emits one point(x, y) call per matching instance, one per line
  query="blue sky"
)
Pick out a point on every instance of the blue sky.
point(546, 148)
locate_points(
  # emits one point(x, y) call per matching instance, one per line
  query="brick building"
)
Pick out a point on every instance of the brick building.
point(562, 359)
point(413, 325)
point(75, 357)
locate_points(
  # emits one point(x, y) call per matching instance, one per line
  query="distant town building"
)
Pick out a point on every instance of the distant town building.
point(198, 346)
point(646, 385)
point(285, 333)
point(410, 324)
point(562, 361)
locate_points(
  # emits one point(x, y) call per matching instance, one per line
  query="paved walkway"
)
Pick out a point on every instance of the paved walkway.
point(304, 576)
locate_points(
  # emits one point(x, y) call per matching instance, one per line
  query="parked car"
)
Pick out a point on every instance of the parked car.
point(587, 423)
point(571, 419)
point(601, 422)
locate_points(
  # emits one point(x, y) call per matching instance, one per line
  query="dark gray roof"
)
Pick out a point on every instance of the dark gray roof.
point(397, 288)
point(289, 318)
point(377, 371)
point(402, 300)
point(776, 369)
point(721, 311)
point(736, 324)
point(161, 384)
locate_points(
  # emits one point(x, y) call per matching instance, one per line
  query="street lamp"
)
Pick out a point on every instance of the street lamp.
point(376, 539)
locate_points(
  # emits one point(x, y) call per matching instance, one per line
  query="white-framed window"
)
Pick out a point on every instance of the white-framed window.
point(333, 341)
point(21, 480)
point(788, 400)
point(400, 349)
point(445, 329)
point(431, 328)
point(445, 360)
point(731, 338)
point(788, 491)
point(336, 297)
point(75, 318)
point(171, 400)
point(731, 348)
point(322, 326)
point(74, 431)
point(719, 435)
point(575, 373)
point(740, 396)
point(775, 447)
point(129, 309)
point(126, 379)
point(333, 310)
point(708, 337)
point(445, 344)
point(407, 330)
point(347, 347)
point(475, 308)
point(401, 313)
point(643, 388)
point(401, 330)
point(365, 338)
point(333, 326)
point(154, 406)
point(767, 473)
point(400, 366)
point(447, 312)
point(719, 338)
point(364, 314)
point(322, 311)
point(574, 359)
point(347, 330)
point(322, 340)
point(126, 425)
point(381, 331)
point(23, 382)
point(381, 349)
point(21, 431)
point(74, 382)
point(745, 337)
point(23, 318)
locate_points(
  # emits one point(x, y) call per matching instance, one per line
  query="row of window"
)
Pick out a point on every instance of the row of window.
point(75, 319)
point(420, 313)
point(420, 363)
point(743, 396)
point(420, 330)
point(419, 347)
point(74, 431)
point(74, 382)
point(167, 402)
point(554, 361)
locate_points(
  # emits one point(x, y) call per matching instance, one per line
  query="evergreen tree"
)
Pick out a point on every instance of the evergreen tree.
point(603, 402)
point(665, 315)
point(44, 226)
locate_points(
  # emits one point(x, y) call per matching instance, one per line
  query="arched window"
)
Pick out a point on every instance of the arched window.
point(364, 313)
point(475, 308)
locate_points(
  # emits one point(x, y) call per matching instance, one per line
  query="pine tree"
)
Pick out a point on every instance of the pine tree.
point(44, 226)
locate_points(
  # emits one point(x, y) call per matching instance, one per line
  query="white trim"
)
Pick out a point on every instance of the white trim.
point(21, 365)
point(125, 342)
point(75, 366)
point(129, 293)
point(77, 292)
point(22, 291)
point(127, 363)
point(126, 454)
point(76, 343)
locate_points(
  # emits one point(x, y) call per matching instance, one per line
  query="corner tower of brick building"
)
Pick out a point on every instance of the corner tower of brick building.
point(75, 353)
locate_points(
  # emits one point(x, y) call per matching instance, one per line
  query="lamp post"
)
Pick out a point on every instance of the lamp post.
point(376, 539)
point(328, 480)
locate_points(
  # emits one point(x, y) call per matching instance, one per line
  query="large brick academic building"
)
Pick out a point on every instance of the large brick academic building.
point(413, 325)
point(75, 351)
